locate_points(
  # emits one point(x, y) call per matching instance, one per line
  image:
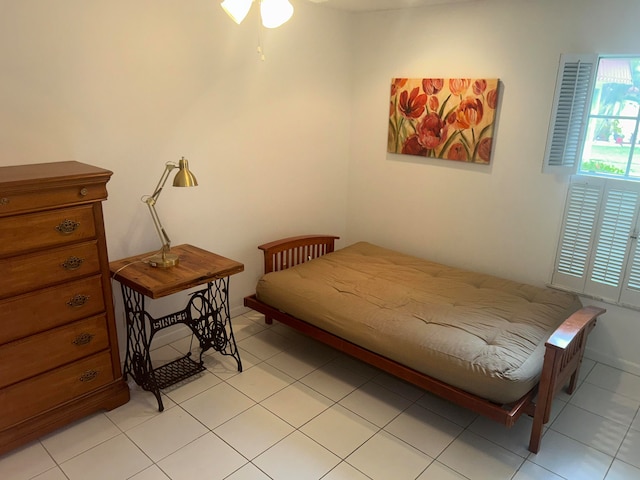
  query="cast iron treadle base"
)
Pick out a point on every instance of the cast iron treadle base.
point(176, 371)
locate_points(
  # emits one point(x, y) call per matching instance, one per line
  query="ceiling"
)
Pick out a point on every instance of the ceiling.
point(370, 5)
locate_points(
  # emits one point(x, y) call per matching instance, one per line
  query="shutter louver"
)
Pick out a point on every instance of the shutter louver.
point(570, 108)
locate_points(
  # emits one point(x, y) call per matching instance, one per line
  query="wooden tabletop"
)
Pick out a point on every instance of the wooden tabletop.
point(196, 267)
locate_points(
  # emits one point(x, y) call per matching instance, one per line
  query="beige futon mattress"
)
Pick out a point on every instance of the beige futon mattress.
point(477, 332)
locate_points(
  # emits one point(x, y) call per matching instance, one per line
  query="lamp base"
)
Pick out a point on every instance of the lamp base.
point(164, 260)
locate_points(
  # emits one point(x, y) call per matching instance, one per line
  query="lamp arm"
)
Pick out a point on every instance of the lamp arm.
point(151, 200)
point(164, 238)
point(163, 179)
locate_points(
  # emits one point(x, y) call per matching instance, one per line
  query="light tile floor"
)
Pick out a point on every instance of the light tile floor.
point(301, 411)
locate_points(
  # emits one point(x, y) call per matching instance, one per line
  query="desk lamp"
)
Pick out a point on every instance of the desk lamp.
point(184, 178)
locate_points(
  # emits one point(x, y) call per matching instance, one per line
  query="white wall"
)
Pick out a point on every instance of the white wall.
point(128, 85)
point(297, 143)
point(503, 218)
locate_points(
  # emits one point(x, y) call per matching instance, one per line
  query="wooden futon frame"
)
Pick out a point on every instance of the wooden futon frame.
point(562, 359)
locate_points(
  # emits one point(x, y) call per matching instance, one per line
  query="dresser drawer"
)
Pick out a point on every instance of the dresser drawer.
point(48, 350)
point(24, 273)
point(39, 394)
point(40, 198)
point(50, 307)
point(46, 229)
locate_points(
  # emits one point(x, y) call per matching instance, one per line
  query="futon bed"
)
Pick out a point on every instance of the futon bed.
point(498, 347)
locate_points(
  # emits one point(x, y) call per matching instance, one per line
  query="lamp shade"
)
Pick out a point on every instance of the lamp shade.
point(275, 12)
point(184, 177)
point(237, 9)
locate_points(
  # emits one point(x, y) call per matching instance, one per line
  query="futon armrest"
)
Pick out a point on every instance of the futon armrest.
point(572, 326)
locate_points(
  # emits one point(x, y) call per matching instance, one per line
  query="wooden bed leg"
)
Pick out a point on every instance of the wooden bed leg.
point(546, 389)
point(540, 417)
point(573, 383)
point(536, 435)
point(268, 320)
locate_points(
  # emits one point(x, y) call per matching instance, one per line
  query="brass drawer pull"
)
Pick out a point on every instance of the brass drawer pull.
point(4, 201)
point(84, 192)
point(89, 376)
point(67, 227)
point(78, 300)
point(83, 339)
point(72, 263)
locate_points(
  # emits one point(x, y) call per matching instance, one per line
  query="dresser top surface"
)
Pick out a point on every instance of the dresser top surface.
point(54, 172)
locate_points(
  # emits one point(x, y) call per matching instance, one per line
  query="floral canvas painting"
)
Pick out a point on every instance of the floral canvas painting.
point(451, 118)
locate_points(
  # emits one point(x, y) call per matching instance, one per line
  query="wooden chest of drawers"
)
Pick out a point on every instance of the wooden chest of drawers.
point(59, 356)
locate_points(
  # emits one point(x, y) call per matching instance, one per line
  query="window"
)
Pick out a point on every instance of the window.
point(595, 133)
point(610, 146)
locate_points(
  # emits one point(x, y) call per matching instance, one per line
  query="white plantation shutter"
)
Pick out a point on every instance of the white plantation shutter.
point(568, 117)
point(631, 291)
point(578, 229)
point(613, 240)
point(598, 240)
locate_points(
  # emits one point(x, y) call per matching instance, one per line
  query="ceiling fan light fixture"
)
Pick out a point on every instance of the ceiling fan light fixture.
point(237, 9)
point(275, 12)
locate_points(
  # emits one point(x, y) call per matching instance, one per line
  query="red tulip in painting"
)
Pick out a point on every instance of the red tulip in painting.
point(443, 118)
